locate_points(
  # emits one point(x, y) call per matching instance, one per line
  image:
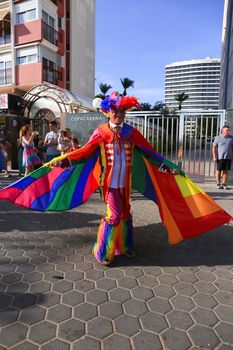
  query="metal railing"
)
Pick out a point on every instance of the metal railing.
point(186, 138)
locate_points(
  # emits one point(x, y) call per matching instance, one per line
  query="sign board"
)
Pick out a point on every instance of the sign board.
point(82, 125)
point(3, 101)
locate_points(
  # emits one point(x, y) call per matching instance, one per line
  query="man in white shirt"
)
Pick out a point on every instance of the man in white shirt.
point(51, 142)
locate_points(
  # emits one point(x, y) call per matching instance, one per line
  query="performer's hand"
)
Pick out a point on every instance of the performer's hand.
point(175, 172)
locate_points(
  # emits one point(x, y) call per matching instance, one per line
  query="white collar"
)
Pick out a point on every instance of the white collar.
point(114, 125)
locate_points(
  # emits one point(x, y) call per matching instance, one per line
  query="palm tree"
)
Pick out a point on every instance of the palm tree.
point(145, 106)
point(180, 98)
point(104, 89)
point(126, 83)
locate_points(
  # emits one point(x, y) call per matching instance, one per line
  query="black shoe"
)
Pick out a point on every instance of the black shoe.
point(219, 186)
point(225, 187)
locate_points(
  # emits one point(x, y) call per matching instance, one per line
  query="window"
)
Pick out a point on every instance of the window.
point(50, 73)
point(26, 59)
point(5, 72)
point(25, 16)
point(5, 32)
point(49, 32)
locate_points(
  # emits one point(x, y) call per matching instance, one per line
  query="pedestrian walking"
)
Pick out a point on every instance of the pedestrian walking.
point(222, 154)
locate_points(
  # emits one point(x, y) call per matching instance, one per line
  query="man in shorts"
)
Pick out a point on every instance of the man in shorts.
point(222, 154)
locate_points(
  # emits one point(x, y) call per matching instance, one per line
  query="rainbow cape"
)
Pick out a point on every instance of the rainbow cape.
point(185, 209)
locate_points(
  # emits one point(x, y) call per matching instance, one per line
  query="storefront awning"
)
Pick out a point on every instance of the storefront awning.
point(3, 13)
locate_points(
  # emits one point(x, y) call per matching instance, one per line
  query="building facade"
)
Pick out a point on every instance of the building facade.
point(47, 41)
point(198, 78)
point(226, 79)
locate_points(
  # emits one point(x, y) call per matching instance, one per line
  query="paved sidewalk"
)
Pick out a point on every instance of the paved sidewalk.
point(54, 295)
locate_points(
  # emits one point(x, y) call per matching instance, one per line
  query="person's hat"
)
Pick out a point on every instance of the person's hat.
point(119, 102)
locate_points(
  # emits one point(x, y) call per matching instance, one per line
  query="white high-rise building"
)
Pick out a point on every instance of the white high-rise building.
point(198, 78)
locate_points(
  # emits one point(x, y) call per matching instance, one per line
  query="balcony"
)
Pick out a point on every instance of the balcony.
point(50, 34)
point(5, 76)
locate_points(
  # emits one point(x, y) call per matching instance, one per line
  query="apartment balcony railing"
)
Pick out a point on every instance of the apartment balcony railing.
point(51, 76)
point(50, 34)
point(5, 76)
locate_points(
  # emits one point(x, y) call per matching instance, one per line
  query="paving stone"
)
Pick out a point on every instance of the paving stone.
point(145, 341)
point(53, 276)
point(127, 282)
point(223, 274)
point(167, 279)
point(164, 291)
point(110, 309)
point(74, 276)
point(75, 258)
point(26, 268)
point(225, 347)
point(142, 293)
point(203, 336)
point(38, 260)
point(5, 300)
point(73, 298)
point(106, 284)
point(153, 322)
point(120, 295)
point(32, 277)
point(17, 288)
point(205, 287)
point(56, 344)
point(85, 311)
point(66, 251)
point(179, 319)
point(224, 313)
point(225, 332)
point(224, 285)
point(159, 305)
point(87, 343)
point(11, 278)
point(65, 267)
point(176, 340)
point(224, 298)
point(187, 277)
point(184, 289)
point(46, 267)
point(114, 273)
point(84, 266)
point(42, 332)
point(13, 334)
point(96, 296)
point(134, 272)
point(94, 275)
point(24, 300)
point(99, 328)
point(71, 330)
point(127, 325)
point(32, 315)
point(7, 268)
point(40, 287)
point(182, 303)
point(57, 259)
point(84, 285)
point(204, 300)
point(8, 315)
point(204, 317)
point(135, 308)
point(116, 342)
point(152, 270)
point(49, 252)
point(48, 299)
point(147, 281)
point(62, 286)
point(26, 345)
point(205, 276)
point(59, 313)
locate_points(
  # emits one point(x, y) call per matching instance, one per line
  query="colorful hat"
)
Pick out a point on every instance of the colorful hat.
point(119, 102)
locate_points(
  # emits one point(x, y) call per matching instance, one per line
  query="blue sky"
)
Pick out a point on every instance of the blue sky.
point(137, 38)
